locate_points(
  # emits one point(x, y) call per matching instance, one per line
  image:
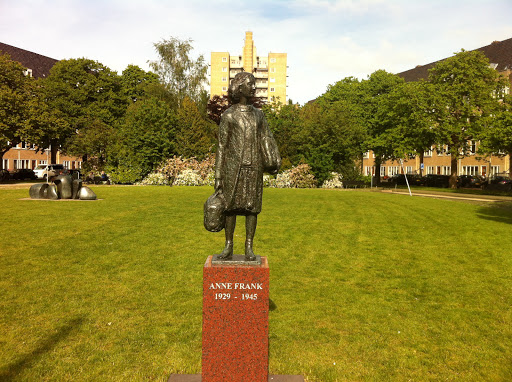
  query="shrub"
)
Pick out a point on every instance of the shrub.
point(297, 177)
point(334, 181)
point(180, 171)
point(155, 179)
point(188, 177)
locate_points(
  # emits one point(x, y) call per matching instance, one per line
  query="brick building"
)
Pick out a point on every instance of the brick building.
point(24, 154)
point(437, 161)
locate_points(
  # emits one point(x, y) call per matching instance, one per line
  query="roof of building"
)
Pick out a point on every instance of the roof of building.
point(499, 52)
point(39, 64)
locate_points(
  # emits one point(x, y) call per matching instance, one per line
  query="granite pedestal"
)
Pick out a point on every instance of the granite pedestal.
point(235, 322)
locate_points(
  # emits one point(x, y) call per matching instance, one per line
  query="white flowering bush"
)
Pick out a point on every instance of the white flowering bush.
point(188, 177)
point(296, 177)
point(334, 181)
point(155, 179)
point(269, 181)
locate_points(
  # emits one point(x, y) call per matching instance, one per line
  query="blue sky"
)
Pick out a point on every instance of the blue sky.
point(326, 40)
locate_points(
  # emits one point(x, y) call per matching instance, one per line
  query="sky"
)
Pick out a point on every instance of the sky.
point(326, 40)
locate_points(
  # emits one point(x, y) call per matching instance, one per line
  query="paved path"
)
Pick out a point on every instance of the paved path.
point(453, 196)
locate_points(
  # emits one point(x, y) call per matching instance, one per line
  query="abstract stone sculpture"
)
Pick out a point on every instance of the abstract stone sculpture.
point(63, 187)
point(246, 149)
point(86, 193)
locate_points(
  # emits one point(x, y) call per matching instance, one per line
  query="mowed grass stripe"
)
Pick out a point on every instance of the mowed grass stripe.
point(364, 286)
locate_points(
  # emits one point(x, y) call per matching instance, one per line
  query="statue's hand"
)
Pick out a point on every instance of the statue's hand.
point(218, 185)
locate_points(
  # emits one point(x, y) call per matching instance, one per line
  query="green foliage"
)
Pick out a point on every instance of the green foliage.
point(496, 137)
point(466, 89)
point(180, 74)
point(144, 139)
point(79, 104)
point(15, 96)
point(137, 83)
point(196, 135)
point(407, 110)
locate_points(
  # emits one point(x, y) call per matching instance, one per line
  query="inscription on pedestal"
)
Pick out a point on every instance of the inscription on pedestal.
point(235, 322)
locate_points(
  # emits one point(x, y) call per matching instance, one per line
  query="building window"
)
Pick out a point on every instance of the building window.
point(272, 70)
point(428, 153)
point(366, 155)
point(28, 72)
point(43, 162)
point(393, 170)
point(472, 147)
point(494, 170)
point(224, 88)
point(469, 170)
point(408, 170)
point(368, 170)
point(6, 164)
point(382, 171)
point(272, 60)
point(224, 79)
point(272, 79)
point(446, 170)
point(272, 89)
point(21, 164)
point(430, 170)
point(224, 69)
point(66, 164)
point(224, 59)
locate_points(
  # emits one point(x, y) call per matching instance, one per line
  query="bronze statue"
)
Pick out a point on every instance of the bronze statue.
point(246, 149)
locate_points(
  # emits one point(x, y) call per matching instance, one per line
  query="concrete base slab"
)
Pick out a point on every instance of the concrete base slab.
point(271, 378)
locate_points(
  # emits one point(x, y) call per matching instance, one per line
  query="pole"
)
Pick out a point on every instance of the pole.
point(406, 180)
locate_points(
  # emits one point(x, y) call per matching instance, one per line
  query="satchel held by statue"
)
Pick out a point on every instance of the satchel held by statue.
point(270, 154)
point(214, 207)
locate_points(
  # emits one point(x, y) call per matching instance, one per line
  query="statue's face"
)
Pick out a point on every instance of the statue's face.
point(248, 87)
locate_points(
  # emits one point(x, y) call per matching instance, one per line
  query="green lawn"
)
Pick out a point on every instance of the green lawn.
point(365, 286)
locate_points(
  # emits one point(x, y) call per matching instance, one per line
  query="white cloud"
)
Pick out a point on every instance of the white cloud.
point(325, 40)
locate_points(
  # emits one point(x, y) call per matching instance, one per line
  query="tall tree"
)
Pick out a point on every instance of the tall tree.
point(466, 87)
point(15, 95)
point(83, 100)
point(181, 75)
point(407, 110)
point(496, 137)
point(145, 138)
point(196, 135)
point(137, 83)
point(375, 92)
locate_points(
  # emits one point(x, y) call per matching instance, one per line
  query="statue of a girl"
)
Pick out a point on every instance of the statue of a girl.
point(246, 149)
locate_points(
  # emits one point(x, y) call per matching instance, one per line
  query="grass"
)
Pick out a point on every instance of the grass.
point(365, 286)
point(471, 191)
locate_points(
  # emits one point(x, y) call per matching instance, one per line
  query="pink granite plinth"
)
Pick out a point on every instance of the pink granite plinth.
point(235, 322)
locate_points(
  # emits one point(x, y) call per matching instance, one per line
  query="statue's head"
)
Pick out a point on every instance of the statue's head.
point(236, 87)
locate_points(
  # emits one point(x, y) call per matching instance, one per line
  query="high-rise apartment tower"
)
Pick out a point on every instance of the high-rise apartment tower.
point(270, 71)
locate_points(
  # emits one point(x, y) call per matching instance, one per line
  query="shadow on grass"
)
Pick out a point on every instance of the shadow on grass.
point(500, 212)
point(13, 371)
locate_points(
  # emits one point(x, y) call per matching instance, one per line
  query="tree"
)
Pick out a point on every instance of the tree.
point(374, 100)
point(466, 87)
point(407, 110)
point(180, 75)
point(196, 135)
point(82, 100)
point(145, 138)
point(137, 83)
point(496, 137)
point(15, 95)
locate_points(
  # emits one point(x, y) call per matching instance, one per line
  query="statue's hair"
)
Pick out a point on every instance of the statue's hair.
point(234, 85)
